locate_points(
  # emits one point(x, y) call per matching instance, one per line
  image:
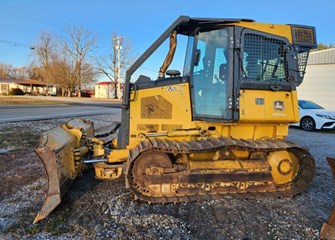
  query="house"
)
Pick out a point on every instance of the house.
point(318, 85)
point(104, 90)
point(33, 87)
point(54, 90)
point(6, 84)
point(28, 86)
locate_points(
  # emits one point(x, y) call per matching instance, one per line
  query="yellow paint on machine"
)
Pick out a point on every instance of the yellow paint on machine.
point(275, 29)
point(268, 106)
point(152, 106)
point(262, 114)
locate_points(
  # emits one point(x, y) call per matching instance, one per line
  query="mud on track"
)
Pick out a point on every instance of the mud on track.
point(100, 210)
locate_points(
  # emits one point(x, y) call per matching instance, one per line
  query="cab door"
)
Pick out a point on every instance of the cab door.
point(212, 77)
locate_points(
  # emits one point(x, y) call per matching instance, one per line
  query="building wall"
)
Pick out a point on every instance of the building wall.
point(33, 89)
point(5, 87)
point(319, 85)
point(104, 91)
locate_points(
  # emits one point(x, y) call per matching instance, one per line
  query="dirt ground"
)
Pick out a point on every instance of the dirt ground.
point(93, 209)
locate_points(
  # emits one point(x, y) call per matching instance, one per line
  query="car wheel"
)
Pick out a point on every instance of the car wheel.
point(307, 124)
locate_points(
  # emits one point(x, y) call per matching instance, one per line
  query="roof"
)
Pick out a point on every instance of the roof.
point(9, 80)
point(104, 83)
point(322, 57)
point(31, 82)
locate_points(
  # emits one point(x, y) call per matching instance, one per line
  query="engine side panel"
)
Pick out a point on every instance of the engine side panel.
point(268, 106)
point(159, 110)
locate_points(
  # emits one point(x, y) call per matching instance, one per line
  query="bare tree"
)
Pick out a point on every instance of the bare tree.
point(21, 73)
point(8, 71)
point(36, 72)
point(323, 46)
point(65, 62)
point(45, 52)
point(108, 65)
point(62, 70)
point(5, 70)
point(77, 49)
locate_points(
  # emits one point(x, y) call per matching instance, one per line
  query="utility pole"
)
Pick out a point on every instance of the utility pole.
point(117, 45)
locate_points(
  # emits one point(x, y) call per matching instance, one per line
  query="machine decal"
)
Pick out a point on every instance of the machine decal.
point(279, 106)
point(174, 89)
point(155, 107)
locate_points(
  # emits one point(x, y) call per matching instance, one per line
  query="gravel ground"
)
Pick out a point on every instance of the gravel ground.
point(92, 209)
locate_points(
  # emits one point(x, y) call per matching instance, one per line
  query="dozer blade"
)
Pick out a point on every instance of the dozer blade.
point(328, 229)
point(55, 149)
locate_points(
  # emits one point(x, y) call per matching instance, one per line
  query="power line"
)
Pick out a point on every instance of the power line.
point(19, 27)
point(31, 15)
point(17, 44)
point(9, 10)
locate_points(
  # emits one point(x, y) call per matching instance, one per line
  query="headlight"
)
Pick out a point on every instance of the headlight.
point(325, 116)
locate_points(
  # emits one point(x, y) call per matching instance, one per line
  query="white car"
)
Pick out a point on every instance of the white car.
point(313, 116)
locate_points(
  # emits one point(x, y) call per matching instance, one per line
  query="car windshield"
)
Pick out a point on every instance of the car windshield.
point(309, 105)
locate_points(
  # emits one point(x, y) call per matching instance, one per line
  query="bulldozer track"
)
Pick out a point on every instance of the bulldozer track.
point(297, 185)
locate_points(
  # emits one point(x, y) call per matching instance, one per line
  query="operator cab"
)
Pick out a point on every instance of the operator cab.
point(221, 59)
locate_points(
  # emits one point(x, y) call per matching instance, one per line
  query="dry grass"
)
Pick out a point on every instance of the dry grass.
point(31, 100)
point(22, 100)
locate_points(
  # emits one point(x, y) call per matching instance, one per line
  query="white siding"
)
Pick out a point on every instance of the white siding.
point(319, 85)
point(322, 57)
point(6, 87)
point(104, 91)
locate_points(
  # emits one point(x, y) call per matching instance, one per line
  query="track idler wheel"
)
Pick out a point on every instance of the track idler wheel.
point(150, 164)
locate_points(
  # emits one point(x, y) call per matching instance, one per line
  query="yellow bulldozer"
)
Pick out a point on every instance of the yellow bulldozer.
point(213, 128)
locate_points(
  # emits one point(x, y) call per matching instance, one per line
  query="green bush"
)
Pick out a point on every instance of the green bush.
point(16, 91)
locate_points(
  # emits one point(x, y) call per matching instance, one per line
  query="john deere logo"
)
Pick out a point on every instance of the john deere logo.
point(279, 106)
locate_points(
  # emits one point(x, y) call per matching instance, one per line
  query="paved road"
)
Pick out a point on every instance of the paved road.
point(88, 101)
point(16, 113)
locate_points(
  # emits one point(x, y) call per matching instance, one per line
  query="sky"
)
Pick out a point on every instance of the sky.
point(141, 22)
